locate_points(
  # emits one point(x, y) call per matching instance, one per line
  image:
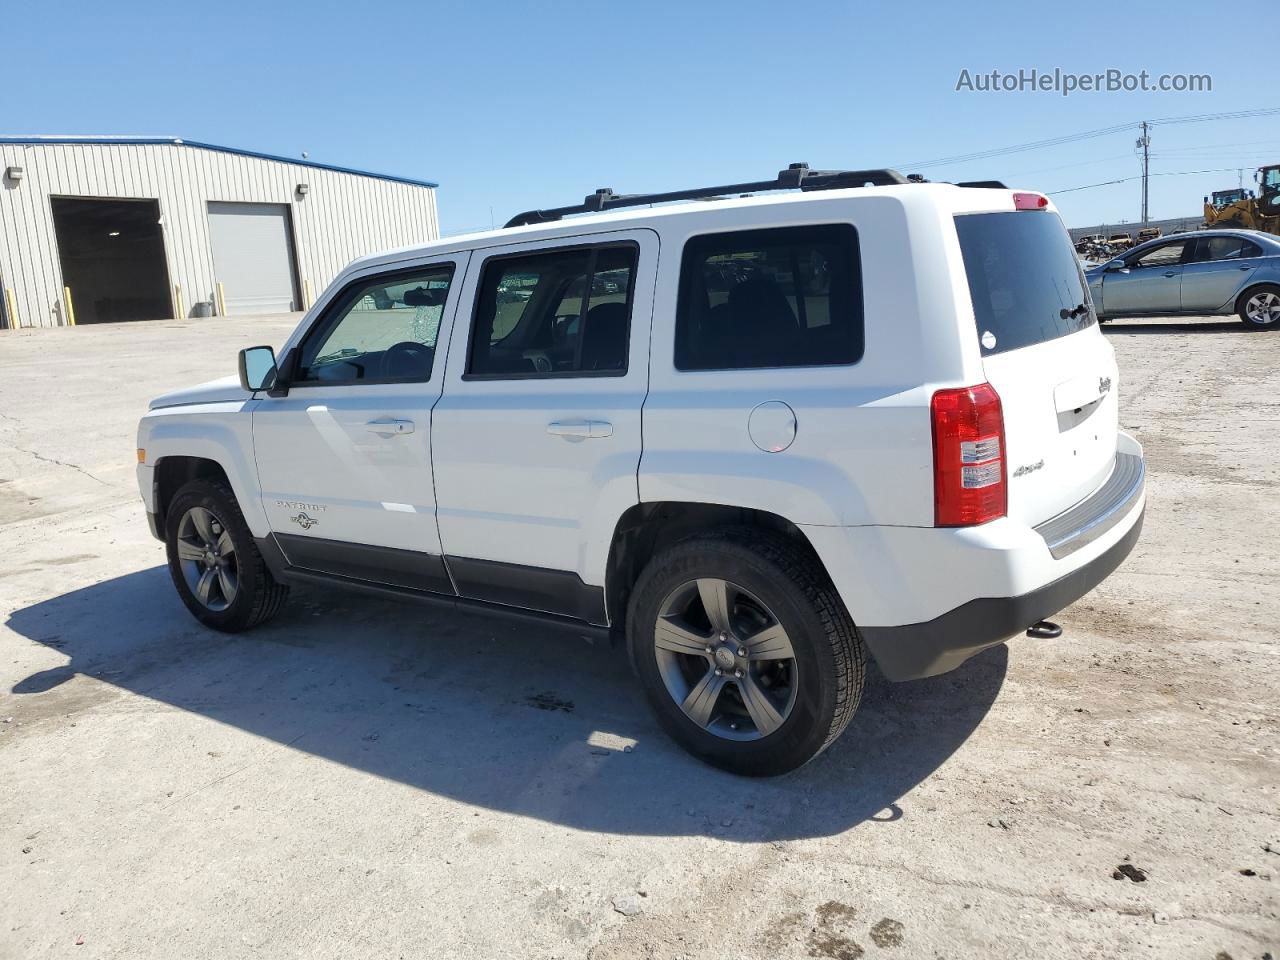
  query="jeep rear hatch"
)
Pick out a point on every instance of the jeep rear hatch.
point(1042, 351)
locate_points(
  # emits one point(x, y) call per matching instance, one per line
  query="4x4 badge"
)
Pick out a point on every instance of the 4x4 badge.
point(1104, 385)
point(305, 522)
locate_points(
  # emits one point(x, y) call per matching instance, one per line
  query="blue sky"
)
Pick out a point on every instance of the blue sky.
point(511, 106)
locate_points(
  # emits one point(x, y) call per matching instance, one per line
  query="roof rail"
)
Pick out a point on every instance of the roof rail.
point(797, 176)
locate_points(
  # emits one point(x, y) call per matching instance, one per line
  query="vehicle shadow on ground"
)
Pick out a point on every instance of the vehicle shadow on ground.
point(516, 719)
point(1199, 326)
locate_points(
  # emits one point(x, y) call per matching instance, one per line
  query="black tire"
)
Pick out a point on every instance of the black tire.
point(257, 597)
point(829, 664)
point(1242, 305)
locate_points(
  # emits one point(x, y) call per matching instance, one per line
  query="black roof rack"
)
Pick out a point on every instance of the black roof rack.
point(984, 184)
point(797, 176)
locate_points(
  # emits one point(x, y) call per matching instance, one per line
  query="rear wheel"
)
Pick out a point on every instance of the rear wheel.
point(745, 651)
point(214, 563)
point(1259, 307)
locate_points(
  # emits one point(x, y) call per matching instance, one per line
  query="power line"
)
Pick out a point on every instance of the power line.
point(1237, 115)
point(1085, 135)
point(1017, 148)
point(1172, 173)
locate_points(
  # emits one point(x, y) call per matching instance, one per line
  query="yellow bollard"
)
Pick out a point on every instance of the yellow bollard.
point(9, 310)
point(178, 304)
point(222, 300)
point(71, 310)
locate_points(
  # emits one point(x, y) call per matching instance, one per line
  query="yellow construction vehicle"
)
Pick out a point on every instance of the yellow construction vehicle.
point(1241, 209)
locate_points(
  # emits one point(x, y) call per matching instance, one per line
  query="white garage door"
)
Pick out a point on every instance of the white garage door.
point(253, 257)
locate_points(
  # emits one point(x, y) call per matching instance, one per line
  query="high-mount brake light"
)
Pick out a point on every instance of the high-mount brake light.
point(1030, 201)
point(970, 482)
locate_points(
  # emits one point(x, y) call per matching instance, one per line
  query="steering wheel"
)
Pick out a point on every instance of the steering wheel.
point(541, 362)
point(408, 358)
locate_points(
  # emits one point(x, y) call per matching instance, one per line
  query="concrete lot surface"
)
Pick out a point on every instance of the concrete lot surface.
point(371, 779)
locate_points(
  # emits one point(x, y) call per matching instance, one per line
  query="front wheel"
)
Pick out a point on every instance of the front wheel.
point(1259, 307)
point(745, 651)
point(214, 563)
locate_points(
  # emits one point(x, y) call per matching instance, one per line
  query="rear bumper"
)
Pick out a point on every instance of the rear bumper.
point(925, 599)
point(918, 650)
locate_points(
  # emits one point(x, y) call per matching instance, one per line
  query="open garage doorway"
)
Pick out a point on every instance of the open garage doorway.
point(112, 255)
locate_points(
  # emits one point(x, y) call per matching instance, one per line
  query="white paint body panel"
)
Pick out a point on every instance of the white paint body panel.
point(219, 431)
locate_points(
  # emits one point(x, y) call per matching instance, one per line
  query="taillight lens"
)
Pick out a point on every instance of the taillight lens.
point(970, 484)
point(1030, 201)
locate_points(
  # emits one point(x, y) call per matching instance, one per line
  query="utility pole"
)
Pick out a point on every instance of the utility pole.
point(1145, 143)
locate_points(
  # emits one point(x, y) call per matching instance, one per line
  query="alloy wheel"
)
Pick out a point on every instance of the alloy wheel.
point(1263, 308)
point(207, 557)
point(726, 659)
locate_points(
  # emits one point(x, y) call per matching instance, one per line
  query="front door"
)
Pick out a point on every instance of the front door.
point(536, 439)
point(1149, 283)
point(344, 460)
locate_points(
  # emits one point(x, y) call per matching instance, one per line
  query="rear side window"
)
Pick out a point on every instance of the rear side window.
point(1225, 248)
point(1024, 279)
point(786, 297)
point(559, 312)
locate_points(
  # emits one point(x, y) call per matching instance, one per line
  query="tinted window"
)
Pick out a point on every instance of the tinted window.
point(770, 298)
point(382, 329)
point(1162, 256)
point(1226, 248)
point(554, 313)
point(1024, 279)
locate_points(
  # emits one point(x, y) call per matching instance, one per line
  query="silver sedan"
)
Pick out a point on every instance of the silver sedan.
point(1207, 272)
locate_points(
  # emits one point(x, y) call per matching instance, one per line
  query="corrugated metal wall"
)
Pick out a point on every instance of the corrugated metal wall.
point(343, 215)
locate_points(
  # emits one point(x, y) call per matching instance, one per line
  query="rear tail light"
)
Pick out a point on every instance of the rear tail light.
point(1030, 201)
point(970, 484)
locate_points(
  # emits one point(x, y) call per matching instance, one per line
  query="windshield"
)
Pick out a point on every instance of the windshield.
point(1024, 279)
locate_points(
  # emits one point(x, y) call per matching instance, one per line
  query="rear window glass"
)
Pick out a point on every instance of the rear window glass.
point(785, 297)
point(1024, 279)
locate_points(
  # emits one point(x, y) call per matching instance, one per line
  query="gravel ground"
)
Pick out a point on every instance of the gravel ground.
point(371, 779)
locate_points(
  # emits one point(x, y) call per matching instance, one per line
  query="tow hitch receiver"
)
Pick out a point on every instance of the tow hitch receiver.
point(1044, 630)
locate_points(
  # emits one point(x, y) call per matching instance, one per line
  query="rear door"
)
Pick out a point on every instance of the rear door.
point(1042, 351)
point(536, 440)
point(1149, 283)
point(1217, 271)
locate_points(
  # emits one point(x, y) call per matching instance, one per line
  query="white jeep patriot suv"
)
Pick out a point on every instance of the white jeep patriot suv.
point(761, 438)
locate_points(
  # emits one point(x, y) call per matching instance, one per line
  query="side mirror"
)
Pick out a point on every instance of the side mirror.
point(1114, 265)
point(257, 368)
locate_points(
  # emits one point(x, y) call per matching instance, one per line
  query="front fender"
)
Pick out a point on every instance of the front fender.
point(221, 432)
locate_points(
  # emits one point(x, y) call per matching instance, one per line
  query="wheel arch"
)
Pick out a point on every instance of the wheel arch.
point(1238, 303)
point(175, 471)
point(645, 529)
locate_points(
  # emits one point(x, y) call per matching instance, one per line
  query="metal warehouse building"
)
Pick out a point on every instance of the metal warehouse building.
point(99, 229)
